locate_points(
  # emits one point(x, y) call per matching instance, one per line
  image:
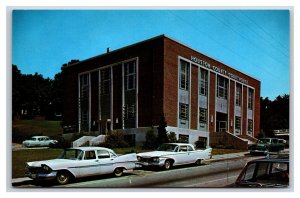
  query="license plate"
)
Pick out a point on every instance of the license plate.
point(33, 176)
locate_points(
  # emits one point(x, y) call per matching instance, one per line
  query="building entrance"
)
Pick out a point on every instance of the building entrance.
point(221, 122)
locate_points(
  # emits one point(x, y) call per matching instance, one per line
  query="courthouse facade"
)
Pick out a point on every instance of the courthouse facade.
point(134, 87)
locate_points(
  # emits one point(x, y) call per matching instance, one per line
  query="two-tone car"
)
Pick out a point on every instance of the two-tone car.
point(81, 162)
point(174, 154)
point(39, 141)
point(266, 145)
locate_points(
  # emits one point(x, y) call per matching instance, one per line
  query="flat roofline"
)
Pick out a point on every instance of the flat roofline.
point(155, 38)
point(116, 50)
point(216, 59)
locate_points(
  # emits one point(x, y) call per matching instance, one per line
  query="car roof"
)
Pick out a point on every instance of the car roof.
point(87, 148)
point(271, 159)
point(39, 136)
point(180, 144)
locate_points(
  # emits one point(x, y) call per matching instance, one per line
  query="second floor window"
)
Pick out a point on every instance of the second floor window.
point(184, 75)
point(183, 111)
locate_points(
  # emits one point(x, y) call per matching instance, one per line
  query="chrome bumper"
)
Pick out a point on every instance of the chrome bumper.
point(42, 176)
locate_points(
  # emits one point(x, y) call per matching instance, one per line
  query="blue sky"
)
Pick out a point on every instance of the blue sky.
point(256, 42)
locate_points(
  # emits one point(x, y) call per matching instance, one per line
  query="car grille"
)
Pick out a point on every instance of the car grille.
point(142, 159)
point(35, 170)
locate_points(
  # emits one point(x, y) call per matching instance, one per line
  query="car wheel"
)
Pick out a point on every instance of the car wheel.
point(198, 162)
point(63, 177)
point(167, 165)
point(118, 172)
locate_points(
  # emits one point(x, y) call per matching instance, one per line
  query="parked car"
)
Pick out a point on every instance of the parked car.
point(266, 145)
point(173, 154)
point(39, 141)
point(81, 162)
point(264, 173)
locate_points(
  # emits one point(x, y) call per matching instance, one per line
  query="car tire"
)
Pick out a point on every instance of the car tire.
point(63, 177)
point(167, 165)
point(118, 172)
point(198, 162)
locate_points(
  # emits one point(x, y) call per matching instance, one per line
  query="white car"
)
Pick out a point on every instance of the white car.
point(81, 162)
point(173, 154)
point(39, 141)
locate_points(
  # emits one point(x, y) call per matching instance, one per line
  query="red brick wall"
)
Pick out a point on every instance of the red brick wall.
point(194, 97)
point(231, 106)
point(212, 103)
point(244, 111)
point(172, 50)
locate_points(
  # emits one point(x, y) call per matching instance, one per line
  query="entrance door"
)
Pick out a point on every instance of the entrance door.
point(222, 126)
point(221, 122)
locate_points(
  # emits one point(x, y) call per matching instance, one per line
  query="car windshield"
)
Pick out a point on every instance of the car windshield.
point(168, 147)
point(72, 154)
point(264, 141)
point(33, 138)
point(266, 173)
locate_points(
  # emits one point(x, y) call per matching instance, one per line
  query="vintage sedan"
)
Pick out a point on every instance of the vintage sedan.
point(174, 154)
point(272, 171)
point(266, 145)
point(81, 162)
point(36, 141)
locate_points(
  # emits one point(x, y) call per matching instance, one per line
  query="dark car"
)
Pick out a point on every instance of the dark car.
point(266, 145)
point(264, 173)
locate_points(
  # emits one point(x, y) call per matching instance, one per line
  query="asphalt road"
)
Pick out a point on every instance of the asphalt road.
point(215, 174)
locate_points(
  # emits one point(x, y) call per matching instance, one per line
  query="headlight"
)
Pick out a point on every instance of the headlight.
point(46, 168)
point(155, 159)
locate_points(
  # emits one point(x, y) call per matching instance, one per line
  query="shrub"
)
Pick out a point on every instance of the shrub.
point(172, 137)
point(151, 140)
point(114, 140)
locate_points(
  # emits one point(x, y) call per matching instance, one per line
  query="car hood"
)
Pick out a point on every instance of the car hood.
point(258, 145)
point(155, 154)
point(54, 163)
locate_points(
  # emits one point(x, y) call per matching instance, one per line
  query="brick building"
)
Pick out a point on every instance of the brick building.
point(133, 87)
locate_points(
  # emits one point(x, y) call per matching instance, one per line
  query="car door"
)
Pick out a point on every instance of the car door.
point(89, 165)
point(182, 156)
point(192, 155)
point(106, 161)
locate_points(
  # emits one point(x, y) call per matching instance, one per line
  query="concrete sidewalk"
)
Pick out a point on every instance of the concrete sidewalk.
point(215, 158)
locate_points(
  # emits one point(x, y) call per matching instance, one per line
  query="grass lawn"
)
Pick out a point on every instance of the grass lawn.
point(20, 157)
point(23, 129)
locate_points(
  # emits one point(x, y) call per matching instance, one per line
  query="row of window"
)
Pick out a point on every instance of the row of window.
point(104, 80)
point(222, 85)
point(221, 92)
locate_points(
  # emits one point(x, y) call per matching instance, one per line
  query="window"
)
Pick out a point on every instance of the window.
point(84, 102)
point(250, 99)
point(183, 138)
point(250, 126)
point(105, 81)
point(130, 75)
point(238, 95)
point(237, 123)
point(203, 82)
point(183, 111)
point(202, 115)
point(88, 155)
point(103, 154)
point(222, 87)
point(184, 75)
